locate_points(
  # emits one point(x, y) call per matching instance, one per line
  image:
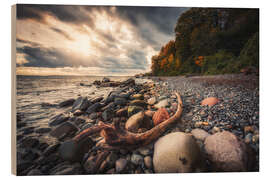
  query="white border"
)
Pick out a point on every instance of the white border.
point(5, 103)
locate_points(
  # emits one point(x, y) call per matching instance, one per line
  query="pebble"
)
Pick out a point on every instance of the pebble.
point(136, 159)
point(148, 162)
point(120, 165)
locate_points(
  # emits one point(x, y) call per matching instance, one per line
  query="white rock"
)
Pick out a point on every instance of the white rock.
point(176, 152)
point(162, 104)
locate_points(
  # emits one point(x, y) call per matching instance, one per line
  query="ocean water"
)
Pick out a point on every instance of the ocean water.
point(36, 94)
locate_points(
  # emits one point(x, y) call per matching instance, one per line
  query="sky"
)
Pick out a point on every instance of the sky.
point(91, 40)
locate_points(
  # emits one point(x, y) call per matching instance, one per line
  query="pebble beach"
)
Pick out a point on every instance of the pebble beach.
point(232, 120)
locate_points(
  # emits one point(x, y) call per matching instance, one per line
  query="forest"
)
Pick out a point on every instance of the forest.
point(210, 41)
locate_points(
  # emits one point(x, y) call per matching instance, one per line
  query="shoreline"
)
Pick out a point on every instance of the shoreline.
point(234, 113)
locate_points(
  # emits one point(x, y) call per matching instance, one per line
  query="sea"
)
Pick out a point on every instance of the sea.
point(38, 96)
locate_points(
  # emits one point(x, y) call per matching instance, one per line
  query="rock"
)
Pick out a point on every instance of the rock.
point(133, 110)
point(97, 82)
point(248, 138)
point(128, 82)
point(211, 101)
point(120, 101)
point(67, 151)
point(136, 102)
point(95, 115)
point(110, 171)
point(136, 159)
point(66, 103)
point(122, 112)
point(63, 130)
point(138, 96)
point(87, 125)
point(51, 149)
point(148, 162)
point(255, 138)
point(29, 142)
point(152, 101)
point(42, 146)
point(78, 112)
point(144, 151)
point(93, 108)
point(110, 106)
point(215, 129)
point(105, 79)
point(97, 99)
point(134, 122)
point(248, 129)
point(149, 113)
point(176, 152)
point(227, 153)
point(68, 170)
point(200, 134)
point(160, 115)
point(121, 165)
point(28, 130)
point(81, 103)
point(79, 121)
point(107, 115)
point(162, 104)
point(89, 165)
point(58, 119)
point(198, 124)
point(42, 130)
point(34, 172)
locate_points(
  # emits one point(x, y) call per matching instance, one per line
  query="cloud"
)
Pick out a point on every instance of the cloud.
point(63, 33)
point(105, 38)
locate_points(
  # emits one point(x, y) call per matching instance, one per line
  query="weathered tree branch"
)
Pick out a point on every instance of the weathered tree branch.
point(117, 138)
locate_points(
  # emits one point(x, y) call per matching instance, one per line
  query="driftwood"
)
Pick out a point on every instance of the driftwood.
point(117, 138)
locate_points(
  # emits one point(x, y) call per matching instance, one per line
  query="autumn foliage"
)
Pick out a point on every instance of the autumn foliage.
point(210, 41)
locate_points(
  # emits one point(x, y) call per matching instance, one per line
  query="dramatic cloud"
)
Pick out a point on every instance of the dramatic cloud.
point(94, 40)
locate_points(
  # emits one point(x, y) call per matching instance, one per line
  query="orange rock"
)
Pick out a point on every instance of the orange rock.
point(205, 123)
point(248, 129)
point(210, 101)
point(160, 115)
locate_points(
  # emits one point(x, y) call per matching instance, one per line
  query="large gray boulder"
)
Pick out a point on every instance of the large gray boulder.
point(228, 153)
point(176, 153)
point(63, 130)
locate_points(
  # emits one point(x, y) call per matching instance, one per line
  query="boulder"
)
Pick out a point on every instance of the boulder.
point(162, 104)
point(211, 101)
point(81, 103)
point(66, 103)
point(63, 130)
point(149, 113)
point(176, 153)
point(75, 152)
point(160, 115)
point(227, 153)
point(134, 122)
point(200, 134)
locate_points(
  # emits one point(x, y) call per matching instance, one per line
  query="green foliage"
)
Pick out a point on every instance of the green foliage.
point(219, 34)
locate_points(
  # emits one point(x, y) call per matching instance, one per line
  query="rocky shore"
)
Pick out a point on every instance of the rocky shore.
point(217, 132)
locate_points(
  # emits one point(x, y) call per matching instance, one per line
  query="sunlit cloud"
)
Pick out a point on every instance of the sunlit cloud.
point(90, 40)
